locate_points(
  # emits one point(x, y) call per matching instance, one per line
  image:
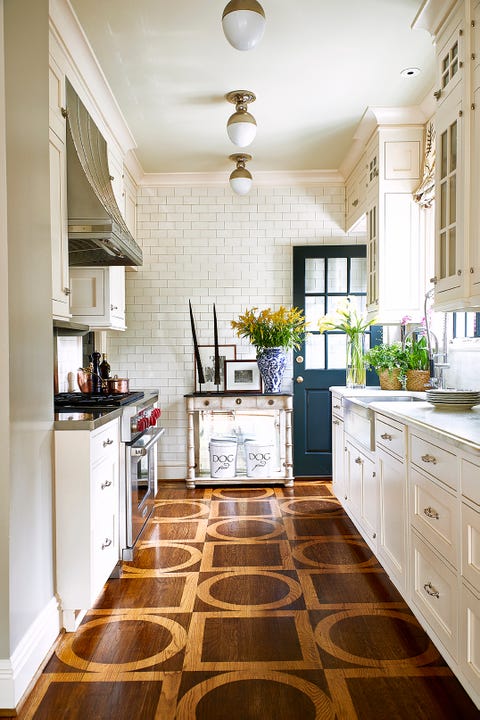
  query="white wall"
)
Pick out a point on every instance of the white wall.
point(206, 244)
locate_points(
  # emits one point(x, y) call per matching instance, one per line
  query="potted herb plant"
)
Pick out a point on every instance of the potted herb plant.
point(390, 363)
point(418, 363)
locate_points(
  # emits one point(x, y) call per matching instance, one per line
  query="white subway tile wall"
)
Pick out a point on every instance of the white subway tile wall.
point(205, 244)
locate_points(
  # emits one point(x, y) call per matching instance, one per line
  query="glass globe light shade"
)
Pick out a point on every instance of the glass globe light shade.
point(243, 23)
point(241, 181)
point(241, 128)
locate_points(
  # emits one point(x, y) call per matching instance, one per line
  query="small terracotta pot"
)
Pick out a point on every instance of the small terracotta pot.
point(418, 380)
point(389, 380)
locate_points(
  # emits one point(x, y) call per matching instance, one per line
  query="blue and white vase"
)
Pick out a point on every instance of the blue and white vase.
point(271, 363)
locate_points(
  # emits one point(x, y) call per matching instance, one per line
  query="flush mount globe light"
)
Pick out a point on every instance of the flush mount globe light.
point(240, 179)
point(243, 23)
point(241, 126)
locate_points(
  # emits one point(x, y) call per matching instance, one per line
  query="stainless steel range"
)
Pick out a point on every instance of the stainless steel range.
point(139, 435)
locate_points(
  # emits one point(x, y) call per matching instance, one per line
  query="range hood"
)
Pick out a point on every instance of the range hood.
point(97, 232)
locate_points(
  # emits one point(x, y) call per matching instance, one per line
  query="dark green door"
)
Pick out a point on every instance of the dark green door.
point(322, 276)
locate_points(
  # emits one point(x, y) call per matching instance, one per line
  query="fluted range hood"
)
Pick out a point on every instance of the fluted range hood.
point(97, 232)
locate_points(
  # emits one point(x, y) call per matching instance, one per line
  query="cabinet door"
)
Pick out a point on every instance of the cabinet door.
point(338, 459)
point(354, 468)
point(98, 296)
point(449, 241)
point(474, 268)
point(392, 517)
point(58, 227)
point(372, 258)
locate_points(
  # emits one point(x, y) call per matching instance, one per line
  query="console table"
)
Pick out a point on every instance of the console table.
point(240, 416)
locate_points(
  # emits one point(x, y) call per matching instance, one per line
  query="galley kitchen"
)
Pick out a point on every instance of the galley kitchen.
point(146, 161)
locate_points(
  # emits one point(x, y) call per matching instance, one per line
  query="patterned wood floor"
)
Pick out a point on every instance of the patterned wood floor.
point(248, 604)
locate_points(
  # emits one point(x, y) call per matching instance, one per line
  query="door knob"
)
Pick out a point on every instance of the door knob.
point(299, 379)
point(299, 359)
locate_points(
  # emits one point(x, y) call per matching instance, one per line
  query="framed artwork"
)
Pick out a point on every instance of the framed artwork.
point(207, 356)
point(242, 376)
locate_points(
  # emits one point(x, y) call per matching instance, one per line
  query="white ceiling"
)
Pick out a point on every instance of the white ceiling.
point(320, 64)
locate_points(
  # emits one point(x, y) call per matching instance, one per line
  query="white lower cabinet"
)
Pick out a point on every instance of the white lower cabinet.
point(338, 458)
point(422, 491)
point(86, 511)
point(434, 591)
point(361, 492)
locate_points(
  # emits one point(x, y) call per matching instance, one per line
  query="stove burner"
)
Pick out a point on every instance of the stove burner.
point(72, 401)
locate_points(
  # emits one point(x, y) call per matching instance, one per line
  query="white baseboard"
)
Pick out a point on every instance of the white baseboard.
point(172, 472)
point(18, 671)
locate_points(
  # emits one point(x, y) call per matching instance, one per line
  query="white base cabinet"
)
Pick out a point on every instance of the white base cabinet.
point(427, 490)
point(86, 512)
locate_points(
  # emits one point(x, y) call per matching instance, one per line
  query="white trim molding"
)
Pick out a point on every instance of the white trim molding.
point(260, 178)
point(18, 671)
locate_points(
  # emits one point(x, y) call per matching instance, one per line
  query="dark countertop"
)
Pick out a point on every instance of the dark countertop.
point(93, 419)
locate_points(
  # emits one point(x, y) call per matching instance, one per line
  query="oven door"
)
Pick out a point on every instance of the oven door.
point(141, 484)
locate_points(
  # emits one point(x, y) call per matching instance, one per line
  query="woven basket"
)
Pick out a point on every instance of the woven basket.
point(389, 380)
point(418, 380)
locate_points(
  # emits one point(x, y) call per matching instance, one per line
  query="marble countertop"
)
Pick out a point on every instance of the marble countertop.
point(459, 426)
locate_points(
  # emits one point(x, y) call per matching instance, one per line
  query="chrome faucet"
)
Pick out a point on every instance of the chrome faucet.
point(437, 366)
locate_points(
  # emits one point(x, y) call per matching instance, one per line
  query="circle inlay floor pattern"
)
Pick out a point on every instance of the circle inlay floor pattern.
point(245, 528)
point(243, 493)
point(163, 557)
point(233, 695)
point(379, 624)
point(329, 552)
point(170, 637)
point(262, 589)
point(184, 510)
point(311, 506)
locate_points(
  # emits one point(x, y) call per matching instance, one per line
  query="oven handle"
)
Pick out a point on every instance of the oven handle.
point(143, 449)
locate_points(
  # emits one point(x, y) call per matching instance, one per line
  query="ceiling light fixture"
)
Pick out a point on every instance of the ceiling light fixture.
point(240, 179)
point(243, 23)
point(410, 72)
point(241, 126)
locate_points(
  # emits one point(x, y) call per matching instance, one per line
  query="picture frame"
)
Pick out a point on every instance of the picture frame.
point(207, 357)
point(242, 376)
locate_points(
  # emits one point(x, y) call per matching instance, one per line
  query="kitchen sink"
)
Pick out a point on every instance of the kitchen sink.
point(359, 417)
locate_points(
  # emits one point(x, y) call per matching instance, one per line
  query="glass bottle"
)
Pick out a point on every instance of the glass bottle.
point(104, 368)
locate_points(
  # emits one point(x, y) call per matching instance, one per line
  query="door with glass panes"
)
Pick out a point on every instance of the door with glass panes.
point(322, 277)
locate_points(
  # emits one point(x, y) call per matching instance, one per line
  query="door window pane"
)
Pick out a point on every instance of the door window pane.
point(314, 310)
point(315, 352)
point(337, 275)
point(314, 275)
point(337, 350)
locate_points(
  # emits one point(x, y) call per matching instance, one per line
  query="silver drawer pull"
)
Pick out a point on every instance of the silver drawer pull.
point(107, 442)
point(106, 543)
point(106, 484)
point(337, 407)
point(335, 422)
point(429, 459)
point(358, 460)
point(431, 513)
point(386, 436)
point(430, 590)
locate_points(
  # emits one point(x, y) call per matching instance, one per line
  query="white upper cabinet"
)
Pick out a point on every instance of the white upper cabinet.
point(58, 194)
point(98, 296)
point(395, 224)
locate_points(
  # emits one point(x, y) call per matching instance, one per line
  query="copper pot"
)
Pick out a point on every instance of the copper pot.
point(117, 386)
point(84, 380)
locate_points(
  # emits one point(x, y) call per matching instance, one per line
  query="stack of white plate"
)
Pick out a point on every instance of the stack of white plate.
point(461, 399)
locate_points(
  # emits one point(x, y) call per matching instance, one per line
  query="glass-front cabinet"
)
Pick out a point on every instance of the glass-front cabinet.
point(238, 439)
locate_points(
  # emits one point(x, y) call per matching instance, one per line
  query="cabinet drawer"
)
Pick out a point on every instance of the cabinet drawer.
point(337, 406)
point(105, 442)
point(435, 461)
point(390, 436)
point(471, 545)
point(104, 549)
point(434, 589)
point(470, 475)
point(434, 514)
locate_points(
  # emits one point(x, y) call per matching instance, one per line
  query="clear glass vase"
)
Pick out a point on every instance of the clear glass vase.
point(356, 374)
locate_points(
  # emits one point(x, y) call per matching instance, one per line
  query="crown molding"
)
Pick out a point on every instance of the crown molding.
point(374, 117)
point(432, 15)
point(260, 178)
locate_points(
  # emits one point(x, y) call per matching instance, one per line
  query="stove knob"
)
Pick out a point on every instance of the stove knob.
point(157, 412)
point(153, 420)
